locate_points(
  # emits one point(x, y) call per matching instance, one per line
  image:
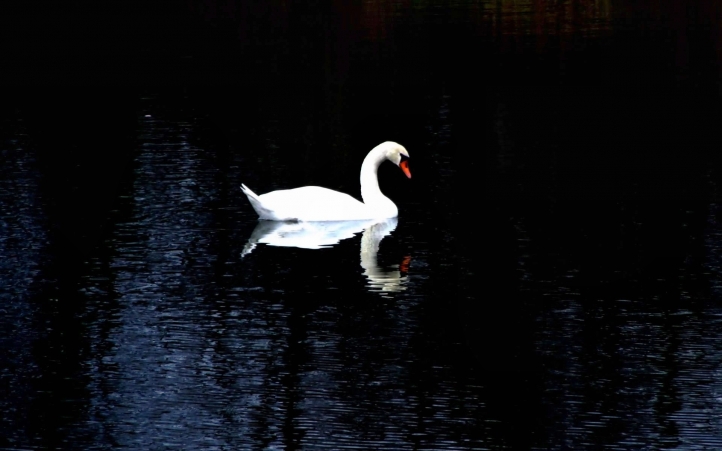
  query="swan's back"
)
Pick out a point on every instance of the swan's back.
point(308, 203)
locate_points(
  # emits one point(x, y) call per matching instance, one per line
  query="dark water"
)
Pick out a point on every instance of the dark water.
point(552, 281)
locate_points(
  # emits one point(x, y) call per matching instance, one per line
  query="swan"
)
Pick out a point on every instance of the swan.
point(314, 203)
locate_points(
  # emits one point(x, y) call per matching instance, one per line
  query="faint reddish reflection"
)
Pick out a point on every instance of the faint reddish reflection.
point(539, 18)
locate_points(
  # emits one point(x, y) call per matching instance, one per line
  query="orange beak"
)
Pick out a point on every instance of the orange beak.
point(404, 165)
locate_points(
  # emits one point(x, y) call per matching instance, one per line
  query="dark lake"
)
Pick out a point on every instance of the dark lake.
point(553, 280)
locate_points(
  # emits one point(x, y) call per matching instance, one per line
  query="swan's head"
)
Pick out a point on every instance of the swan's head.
point(398, 155)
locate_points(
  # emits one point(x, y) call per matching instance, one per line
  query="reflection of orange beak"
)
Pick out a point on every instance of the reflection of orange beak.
point(405, 263)
point(404, 165)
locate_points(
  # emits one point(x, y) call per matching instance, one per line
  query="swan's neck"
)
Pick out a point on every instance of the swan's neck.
point(370, 191)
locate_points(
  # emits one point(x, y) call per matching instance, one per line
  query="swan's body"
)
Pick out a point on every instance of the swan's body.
point(314, 203)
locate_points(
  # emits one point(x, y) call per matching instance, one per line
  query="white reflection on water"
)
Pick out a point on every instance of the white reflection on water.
point(319, 235)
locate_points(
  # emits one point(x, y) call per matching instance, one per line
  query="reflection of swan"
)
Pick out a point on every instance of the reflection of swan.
point(313, 203)
point(383, 280)
point(306, 235)
point(317, 235)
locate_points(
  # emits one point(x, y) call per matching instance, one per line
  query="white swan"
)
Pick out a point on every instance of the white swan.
point(313, 203)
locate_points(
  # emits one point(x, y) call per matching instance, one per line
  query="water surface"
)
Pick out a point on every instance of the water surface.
point(564, 294)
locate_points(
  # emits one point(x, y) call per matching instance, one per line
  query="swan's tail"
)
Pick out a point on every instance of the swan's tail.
point(256, 202)
point(251, 195)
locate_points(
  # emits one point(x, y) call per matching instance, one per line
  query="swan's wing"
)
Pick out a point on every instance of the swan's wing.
point(308, 194)
point(313, 203)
